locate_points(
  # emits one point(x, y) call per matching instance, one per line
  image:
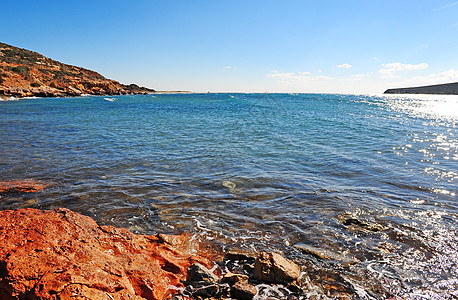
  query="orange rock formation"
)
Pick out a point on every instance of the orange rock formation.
point(60, 254)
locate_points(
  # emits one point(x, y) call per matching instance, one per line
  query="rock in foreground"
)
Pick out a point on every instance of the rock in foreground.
point(60, 254)
point(272, 267)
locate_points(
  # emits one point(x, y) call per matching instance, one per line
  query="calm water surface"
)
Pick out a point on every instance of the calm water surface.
point(368, 178)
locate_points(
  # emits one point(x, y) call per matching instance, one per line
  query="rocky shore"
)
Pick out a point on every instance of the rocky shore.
point(25, 73)
point(61, 254)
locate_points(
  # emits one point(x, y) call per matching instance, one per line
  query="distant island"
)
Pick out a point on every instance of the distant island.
point(438, 89)
point(25, 73)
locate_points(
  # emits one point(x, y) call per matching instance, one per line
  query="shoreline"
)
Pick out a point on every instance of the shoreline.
point(78, 257)
point(14, 98)
point(403, 95)
point(68, 248)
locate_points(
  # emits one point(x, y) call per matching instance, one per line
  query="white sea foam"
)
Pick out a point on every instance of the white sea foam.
point(9, 99)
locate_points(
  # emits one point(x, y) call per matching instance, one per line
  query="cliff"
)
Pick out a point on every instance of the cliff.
point(25, 73)
point(442, 89)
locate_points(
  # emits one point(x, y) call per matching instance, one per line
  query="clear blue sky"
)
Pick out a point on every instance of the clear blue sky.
point(351, 46)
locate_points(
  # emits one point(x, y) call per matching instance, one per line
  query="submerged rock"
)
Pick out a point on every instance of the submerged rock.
point(325, 254)
point(60, 254)
point(272, 267)
point(21, 186)
point(355, 224)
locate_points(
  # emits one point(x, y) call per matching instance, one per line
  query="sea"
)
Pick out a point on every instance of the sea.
point(362, 186)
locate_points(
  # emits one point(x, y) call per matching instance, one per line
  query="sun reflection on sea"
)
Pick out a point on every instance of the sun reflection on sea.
point(429, 106)
point(438, 147)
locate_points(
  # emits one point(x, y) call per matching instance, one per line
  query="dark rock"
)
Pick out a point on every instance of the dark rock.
point(248, 267)
point(232, 255)
point(206, 291)
point(294, 288)
point(352, 221)
point(272, 267)
point(198, 273)
point(243, 291)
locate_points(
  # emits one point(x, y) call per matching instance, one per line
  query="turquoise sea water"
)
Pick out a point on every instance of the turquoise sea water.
point(371, 178)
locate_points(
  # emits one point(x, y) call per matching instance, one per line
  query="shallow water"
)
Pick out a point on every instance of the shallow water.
point(370, 179)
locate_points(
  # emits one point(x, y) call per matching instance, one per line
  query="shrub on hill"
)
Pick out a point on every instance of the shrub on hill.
point(21, 70)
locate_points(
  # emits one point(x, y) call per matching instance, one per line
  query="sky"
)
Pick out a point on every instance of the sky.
point(303, 46)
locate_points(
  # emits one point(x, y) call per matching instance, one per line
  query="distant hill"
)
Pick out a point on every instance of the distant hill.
point(25, 73)
point(443, 89)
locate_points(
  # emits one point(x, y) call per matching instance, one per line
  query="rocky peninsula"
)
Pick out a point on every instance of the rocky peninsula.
point(25, 73)
point(438, 89)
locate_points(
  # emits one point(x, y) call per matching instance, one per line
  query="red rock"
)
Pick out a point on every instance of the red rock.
point(26, 186)
point(60, 254)
point(272, 267)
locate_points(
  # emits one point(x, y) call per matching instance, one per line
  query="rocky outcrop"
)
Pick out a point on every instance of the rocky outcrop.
point(60, 254)
point(441, 89)
point(25, 73)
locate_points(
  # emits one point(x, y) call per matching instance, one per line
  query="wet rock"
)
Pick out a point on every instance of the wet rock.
point(206, 291)
point(272, 267)
point(325, 254)
point(21, 186)
point(294, 288)
point(248, 268)
point(199, 273)
point(352, 221)
point(232, 255)
point(330, 282)
point(243, 291)
point(240, 263)
point(355, 224)
point(232, 278)
point(60, 254)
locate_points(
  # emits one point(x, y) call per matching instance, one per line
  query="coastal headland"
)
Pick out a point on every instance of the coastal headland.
point(438, 89)
point(25, 73)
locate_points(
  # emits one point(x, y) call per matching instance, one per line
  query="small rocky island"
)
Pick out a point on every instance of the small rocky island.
point(25, 73)
point(438, 89)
